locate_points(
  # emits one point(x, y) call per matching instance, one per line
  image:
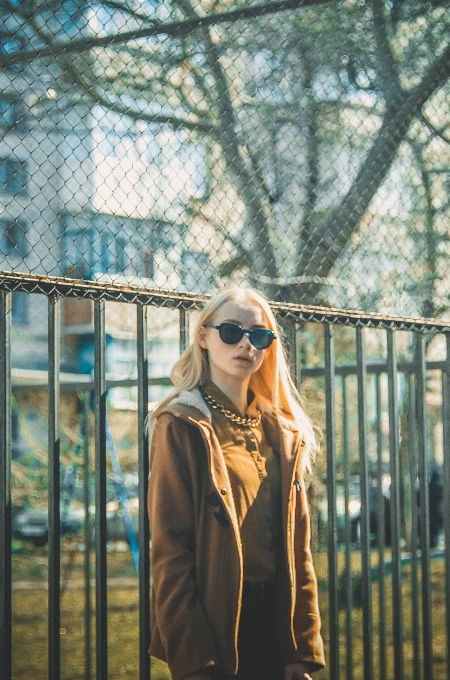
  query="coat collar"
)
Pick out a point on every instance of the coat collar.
point(282, 433)
point(193, 399)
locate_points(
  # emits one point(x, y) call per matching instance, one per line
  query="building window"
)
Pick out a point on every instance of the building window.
point(13, 176)
point(114, 259)
point(148, 262)
point(12, 114)
point(196, 271)
point(13, 239)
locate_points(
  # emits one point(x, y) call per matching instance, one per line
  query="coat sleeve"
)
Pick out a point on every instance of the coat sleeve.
point(177, 611)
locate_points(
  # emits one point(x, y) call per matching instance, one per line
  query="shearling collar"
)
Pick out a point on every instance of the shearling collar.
point(191, 398)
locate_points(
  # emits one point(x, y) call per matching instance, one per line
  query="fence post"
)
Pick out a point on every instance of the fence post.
point(381, 533)
point(333, 612)
point(365, 512)
point(446, 436)
point(348, 530)
point(5, 486)
point(87, 539)
point(412, 454)
point(184, 330)
point(395, 505)
point(101, 605)
point(54, 491)
point(424, 508)
point(143, 464)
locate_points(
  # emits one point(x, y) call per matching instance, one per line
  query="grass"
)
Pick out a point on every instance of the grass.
point(30, 619)
point(30, 607)
point(30, 635)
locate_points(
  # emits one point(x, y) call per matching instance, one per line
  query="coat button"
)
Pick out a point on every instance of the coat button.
point(249, 433)
point(223, 491)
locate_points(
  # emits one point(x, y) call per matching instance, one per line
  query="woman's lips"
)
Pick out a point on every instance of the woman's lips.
point(244, 358)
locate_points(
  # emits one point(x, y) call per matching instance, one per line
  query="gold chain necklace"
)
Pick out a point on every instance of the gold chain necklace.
point(245, 421)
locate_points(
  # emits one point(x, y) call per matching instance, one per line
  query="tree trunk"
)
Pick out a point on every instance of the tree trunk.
point(330, 239)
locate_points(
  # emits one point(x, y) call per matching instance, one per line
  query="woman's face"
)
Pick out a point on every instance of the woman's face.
point(233, 362)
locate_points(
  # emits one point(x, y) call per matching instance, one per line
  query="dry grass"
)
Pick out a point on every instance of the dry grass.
point(30, 635)
point(30, 617)
point(30, 621)
point(438, 597)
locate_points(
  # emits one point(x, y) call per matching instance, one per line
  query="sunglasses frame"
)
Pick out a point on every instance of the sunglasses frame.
point(245, 331)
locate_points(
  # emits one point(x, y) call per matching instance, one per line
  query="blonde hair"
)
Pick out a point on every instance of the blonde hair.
point(271, 383)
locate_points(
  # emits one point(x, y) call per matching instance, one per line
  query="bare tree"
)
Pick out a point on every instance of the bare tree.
point(273, 94)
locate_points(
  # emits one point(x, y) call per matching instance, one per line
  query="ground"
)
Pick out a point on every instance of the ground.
point(30, 617)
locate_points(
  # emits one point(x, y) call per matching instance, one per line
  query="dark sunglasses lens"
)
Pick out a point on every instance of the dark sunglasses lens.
point(261, 338)
point(230, 333)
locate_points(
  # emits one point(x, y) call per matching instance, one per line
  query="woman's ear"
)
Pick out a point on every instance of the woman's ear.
point(201, 337)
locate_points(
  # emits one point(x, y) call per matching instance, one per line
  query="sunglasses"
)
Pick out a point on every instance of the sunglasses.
point(231, 333)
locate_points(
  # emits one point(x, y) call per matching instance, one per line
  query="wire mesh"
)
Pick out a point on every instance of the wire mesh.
point(299, 147)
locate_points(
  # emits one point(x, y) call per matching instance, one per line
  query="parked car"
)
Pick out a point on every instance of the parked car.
point(31, 524)
point(354, 509)
point(436, 508)
point(116, 526)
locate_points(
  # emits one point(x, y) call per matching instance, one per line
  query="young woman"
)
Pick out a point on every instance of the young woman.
point(234, 592)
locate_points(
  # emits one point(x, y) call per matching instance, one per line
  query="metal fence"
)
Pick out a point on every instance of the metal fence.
point(301, 146)
point(384, 571)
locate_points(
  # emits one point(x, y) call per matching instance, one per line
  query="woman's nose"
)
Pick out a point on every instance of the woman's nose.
point(245, 340)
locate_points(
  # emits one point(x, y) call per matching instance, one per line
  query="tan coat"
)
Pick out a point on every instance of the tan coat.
point(196, 554)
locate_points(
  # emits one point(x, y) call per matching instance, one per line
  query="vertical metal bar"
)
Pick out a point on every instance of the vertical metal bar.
point(348, 531)
point(293, 351)
point(412, 455)
point(424, 508)
point(333, 616)
point(100, 490)
point(394, 455)
point(291, 328)
point(5, 487)
point(88, 542)
point(143, 466)
point(365, 511)
point(298, 352)
point(446, 433)
point(54, 492)
point(184, 330)
point(381, 534)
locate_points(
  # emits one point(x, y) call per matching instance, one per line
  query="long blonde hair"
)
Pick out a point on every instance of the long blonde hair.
point(271, 383)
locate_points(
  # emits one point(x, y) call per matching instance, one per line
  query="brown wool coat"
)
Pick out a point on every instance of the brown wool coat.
point(196, 554)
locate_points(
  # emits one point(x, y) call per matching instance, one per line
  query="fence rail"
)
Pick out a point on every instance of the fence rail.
point(109, 291)
point(386, 402)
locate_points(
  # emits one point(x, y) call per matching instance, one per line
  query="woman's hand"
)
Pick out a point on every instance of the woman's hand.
point(296, 671)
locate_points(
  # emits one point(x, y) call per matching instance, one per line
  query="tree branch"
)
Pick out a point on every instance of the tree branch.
point(175, 122)
point(247, 183)
point(329, 239)
point(433, 130)
point(127, 10)
point(389, 76)
point(428, 284)
point(312, 151)
point(173, 28)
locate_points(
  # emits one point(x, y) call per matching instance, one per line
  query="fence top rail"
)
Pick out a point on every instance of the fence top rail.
point(118, 292)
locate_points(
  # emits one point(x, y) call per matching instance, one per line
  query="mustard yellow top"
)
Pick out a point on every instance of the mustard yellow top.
point(255, 478)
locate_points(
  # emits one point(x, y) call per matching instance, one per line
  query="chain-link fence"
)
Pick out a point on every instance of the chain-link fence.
point(302, 147)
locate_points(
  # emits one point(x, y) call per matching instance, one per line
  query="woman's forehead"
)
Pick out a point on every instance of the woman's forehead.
point(243, 311)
